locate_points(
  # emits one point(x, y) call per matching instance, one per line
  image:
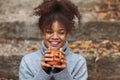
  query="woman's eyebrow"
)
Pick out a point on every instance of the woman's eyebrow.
point(48, 29)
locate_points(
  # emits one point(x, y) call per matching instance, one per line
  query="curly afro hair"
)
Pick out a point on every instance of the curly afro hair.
point(63, 11)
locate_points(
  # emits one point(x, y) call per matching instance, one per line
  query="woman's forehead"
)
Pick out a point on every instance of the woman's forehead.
point(57, 24)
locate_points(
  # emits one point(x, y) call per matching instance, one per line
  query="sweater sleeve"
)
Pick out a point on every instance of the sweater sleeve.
point(25, 73)
point(79, 73)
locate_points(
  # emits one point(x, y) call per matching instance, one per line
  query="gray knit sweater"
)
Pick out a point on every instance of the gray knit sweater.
point(30, 68)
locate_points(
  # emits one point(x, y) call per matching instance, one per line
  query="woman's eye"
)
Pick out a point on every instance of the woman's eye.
point(62, 33)
point(49, 32)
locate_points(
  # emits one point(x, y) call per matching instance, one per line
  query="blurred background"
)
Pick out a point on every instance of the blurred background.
point(97, 38)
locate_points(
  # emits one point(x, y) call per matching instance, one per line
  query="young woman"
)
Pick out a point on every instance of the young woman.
point(55, 22)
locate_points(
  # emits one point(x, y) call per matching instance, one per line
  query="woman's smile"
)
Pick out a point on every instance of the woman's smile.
point(54, 43)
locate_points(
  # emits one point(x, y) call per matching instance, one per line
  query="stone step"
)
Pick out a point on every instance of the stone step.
point(94, 30)
point(106, 68)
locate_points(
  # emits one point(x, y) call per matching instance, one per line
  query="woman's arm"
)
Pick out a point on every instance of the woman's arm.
point(25, 73)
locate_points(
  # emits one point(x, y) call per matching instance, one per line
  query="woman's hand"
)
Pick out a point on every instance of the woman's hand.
point(63, 62)
point(46, 57)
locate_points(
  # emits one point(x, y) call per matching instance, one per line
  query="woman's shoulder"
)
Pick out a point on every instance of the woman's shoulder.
point(31, 60)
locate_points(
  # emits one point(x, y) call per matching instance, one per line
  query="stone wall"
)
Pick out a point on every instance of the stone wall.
point(9, 67)
point(17, 22)
point(100, 30)
point(106, 68)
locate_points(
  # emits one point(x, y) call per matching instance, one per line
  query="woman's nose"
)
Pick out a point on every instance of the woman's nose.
point(55, 36)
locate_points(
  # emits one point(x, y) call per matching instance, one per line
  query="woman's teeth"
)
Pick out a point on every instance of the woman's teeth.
point(55, 43)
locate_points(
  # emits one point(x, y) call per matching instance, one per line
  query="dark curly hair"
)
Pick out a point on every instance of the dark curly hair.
point(63, 11)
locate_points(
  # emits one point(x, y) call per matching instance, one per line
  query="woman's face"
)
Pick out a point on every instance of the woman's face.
point(55, 36)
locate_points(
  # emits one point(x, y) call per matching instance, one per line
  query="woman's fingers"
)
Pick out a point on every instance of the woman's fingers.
point(62, 61)
point(61, 55)
point(45, 65)
point(62, 65)
point(46, 57)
